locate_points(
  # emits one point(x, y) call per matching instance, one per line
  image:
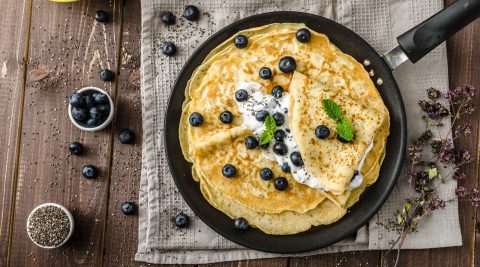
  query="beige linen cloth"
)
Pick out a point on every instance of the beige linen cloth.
point(377, 21)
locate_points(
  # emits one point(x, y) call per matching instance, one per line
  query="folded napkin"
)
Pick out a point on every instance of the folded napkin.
point(378, 22)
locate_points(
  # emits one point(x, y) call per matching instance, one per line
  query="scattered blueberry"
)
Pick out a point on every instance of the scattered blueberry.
point(264, 146)
point(342, 140)
point(92, 122)
point(90, 171)
point(287, 64)
point(89, 101)
point(169, 49)
point(128, 208)
point(266, 174)
point(322, 132)
point(280, 183)
point(280, 148)
point(265, 73)
point(285, 167)
point(126, 136)
point(279, 135)
point(241, 95)
point(240, 224)
point(101, 98)
point(261, 115)
point(106, 75)
point(76, 148)
point(277, 91)
point(79, 114)
point(279, 118)
point(101, 16)
point(191, 13)
point(77, 100)
point(229, 170)
point(168, 18)
point(195, 119)
point(251, 142)
point(296, 159)
point(226, 117)
point(303, 35)
point(182, 220)
point(240, 41)
point(94, 113)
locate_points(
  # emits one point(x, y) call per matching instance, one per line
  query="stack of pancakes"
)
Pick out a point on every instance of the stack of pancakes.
point(322, 72)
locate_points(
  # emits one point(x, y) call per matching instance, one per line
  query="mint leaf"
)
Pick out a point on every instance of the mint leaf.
point(270, 127)
point(345, 130)
point(332, 109)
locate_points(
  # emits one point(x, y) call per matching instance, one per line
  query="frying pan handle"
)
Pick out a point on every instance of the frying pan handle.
point(419, 41)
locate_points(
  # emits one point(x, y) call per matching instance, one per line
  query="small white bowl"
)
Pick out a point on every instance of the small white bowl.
point(105, 123)
point(70, 218)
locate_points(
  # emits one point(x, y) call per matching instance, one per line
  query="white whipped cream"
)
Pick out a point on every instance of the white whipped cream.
point(258, 100)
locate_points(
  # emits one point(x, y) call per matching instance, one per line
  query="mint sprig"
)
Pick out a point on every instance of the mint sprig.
point(270, 127)
point(344, 128)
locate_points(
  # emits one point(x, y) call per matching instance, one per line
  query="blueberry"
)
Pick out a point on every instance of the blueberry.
point(285, 167)
point(266, 174)
point(182, 220)
point(168, 18)
point(169, 49)
point(104, 109)
point(280, 183)
point(101, 16)
point(128, 208)
point(322, 132)
point(240, 41)
point(94, 113)
point(92, 122)
point(229, 170)
point(296, 159)
point(101, 98)
point(76, 148)
point(79, 114)
point(264, 146)
point(287, 64)
point(303, 35)
point(277, 91)
point(280, 149)
point(77, 100)
point(261, 115)
point(88, 101)
point(90, 171)
point(265, 73)
point(241, 95)
point(279, 135)
point(279, 118)
point(342, 140)
point(191, 13)
point(195, 119)
point(226, 117)
point(240, 224)
point(251, 142)
point(106, 75)
point(126, 136)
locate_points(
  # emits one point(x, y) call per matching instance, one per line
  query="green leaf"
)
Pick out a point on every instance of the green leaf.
point(406, 207)
point(345, 130)
point(432, 172)
point(332, 109)
point(270, 127)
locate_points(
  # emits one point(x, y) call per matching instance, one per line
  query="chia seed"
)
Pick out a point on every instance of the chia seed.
point(48, 226)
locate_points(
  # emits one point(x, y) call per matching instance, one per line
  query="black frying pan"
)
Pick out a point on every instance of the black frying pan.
point(413, 45)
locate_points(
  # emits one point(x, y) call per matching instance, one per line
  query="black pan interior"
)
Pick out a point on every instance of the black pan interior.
point(371, 200)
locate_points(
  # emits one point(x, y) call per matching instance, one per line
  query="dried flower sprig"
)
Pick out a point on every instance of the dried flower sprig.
point(426, 170)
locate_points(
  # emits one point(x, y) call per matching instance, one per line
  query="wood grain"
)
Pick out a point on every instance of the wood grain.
point(122, 231)
point(67, 42)
point(354, 258)
point(280, 262)
point(13, 31)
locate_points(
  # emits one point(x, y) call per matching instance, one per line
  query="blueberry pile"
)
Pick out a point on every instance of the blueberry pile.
point(89, 108)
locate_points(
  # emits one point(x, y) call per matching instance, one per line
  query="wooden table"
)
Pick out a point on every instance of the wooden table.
point(63, 40)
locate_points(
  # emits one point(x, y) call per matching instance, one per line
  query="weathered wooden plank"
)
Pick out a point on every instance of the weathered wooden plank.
point(250, 263)
point(13, 30)
point(67, 42)
point(121, 233)
point(354, 258)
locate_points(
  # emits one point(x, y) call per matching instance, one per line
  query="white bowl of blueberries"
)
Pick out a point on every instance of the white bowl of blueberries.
point(90, 109)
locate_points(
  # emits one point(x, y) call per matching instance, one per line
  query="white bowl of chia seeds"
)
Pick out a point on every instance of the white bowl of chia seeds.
point(50, 225)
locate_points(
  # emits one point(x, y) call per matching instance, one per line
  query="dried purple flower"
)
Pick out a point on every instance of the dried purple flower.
point(459, 175)
point(434, 109)
point(461, 93)
point(468, 108)
point(433, 93)
point(461, 192)
point(436, 202)
point(462, 157)
point(415, 154)
point(463, 129)
point(475, 197)
point(427, 135)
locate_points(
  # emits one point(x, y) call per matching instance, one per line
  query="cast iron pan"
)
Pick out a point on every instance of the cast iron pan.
point(413, 44)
